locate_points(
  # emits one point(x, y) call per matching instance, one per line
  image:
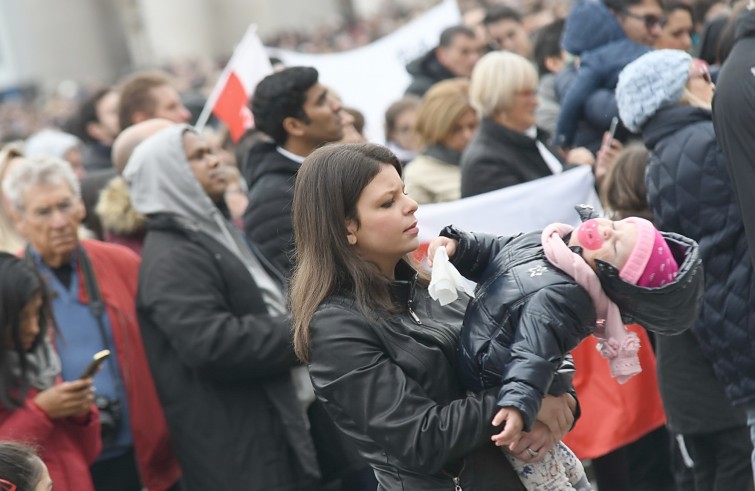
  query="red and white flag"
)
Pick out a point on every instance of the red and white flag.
point(230, 98)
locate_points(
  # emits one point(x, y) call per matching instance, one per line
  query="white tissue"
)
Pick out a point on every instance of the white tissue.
point(446, 280)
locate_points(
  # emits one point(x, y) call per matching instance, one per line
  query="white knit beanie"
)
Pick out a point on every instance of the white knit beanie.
point(650, 82)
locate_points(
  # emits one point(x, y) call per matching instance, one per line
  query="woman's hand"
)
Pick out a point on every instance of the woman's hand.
point(607, 155)
point(449, 244)
point(557, 413)
point(66, 399)
point(533, 445)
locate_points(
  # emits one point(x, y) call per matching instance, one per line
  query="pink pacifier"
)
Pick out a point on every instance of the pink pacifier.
point(589, 236)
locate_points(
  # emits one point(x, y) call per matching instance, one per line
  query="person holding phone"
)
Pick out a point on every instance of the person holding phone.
point(36, 406)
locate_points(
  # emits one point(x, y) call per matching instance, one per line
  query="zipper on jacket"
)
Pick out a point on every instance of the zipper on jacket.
point(457, 483)
point(412, 314)
point(414, 317)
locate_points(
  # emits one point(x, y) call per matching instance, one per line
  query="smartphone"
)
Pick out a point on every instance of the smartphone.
point(614, 126)
point(97, 360)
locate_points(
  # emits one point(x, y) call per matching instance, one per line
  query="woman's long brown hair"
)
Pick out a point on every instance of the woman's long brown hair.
point(328, 186)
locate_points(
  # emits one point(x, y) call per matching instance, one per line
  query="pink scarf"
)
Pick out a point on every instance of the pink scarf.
point(617, 344)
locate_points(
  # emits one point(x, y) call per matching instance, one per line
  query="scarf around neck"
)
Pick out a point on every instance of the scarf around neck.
point(42, 365)
point(617, 344)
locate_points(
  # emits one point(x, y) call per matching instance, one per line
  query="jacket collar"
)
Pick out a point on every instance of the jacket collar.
point(670, 119)
point(501, 133)
point(402, 288)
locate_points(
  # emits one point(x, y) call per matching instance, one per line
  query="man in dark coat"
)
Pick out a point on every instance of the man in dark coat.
point(215, 327)
point(455, 56)
point(734, 118)
point(299, 114)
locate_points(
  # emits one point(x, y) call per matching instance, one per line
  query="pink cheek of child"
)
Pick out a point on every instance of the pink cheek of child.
point(589, 236)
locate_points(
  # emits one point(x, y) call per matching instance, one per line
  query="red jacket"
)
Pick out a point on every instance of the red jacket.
point(116, 269)
point(67, 446)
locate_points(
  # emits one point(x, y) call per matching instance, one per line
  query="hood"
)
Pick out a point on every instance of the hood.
point(115, 211)
point(667, 310)
point(745, 25)
point(161, 181)
point(670, 119)
point(589, 26)
point(264, 158)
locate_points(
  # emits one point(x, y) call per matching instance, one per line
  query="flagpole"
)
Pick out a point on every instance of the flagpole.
point(204, 116)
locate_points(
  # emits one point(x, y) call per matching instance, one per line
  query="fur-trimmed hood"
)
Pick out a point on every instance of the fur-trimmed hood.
point(116, 211)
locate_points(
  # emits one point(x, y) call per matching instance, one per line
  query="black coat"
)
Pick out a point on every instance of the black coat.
point(426, 71)
point(734, 117)
point(690, 193)
point(221, 366)
point(525, 318)
point(267, 220)
point(498, 157)
point(393, 386)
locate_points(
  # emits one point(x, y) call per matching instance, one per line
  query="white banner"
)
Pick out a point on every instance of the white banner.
point(512, 210)
point(372, 77)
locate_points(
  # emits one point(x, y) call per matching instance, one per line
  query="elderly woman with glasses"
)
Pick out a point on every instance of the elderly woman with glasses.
point(508, 147)
point(666, 96)
point(606, 36)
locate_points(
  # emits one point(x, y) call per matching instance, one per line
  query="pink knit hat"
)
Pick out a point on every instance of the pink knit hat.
point(651, 263)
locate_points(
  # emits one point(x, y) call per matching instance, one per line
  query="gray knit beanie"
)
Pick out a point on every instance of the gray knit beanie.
point(650, 82)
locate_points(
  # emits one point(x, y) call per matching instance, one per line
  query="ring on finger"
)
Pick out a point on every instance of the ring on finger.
point(531, 453)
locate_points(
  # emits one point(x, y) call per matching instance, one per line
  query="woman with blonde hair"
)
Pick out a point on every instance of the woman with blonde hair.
point(508, 148)
point(445, 125)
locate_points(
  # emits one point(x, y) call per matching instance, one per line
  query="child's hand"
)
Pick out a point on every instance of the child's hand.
point(512, 430)
point(449, 244)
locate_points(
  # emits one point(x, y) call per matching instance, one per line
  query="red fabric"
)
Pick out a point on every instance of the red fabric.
point(231, 107)
point(613, 414)
point(116, 269)
point(67, 446)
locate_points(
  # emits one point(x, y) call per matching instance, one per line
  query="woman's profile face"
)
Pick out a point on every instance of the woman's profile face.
point(387, 228)
point(29, 320)
point(609, 241)
point(462, 131)
point(699, 82)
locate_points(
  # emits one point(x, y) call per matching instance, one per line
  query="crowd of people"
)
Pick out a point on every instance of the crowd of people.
point(266, 319)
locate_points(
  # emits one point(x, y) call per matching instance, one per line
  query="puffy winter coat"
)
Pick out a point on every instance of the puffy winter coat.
point(525, 318)
point(689, 192)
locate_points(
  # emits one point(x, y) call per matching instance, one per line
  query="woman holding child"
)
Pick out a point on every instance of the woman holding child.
point(383, 356)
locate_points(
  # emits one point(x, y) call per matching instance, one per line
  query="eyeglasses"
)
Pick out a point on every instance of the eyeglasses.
point(6, 485)
point(699, 69)
point(651, 21)
point(65, 207)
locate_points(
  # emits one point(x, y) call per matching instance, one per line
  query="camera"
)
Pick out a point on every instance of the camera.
point(110, 419)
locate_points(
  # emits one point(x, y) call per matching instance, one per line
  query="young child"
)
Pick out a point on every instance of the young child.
point(538, 296)
point(594, 35)
point(35, 406)
point(21, 469)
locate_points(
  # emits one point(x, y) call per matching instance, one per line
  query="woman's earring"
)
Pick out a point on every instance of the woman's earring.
point(352, 240)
